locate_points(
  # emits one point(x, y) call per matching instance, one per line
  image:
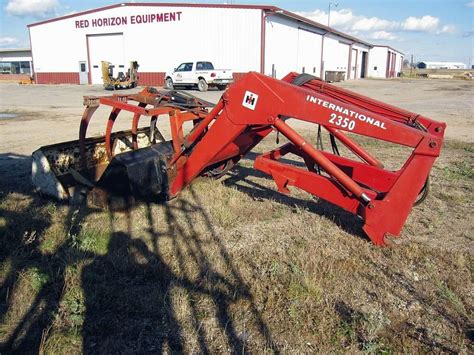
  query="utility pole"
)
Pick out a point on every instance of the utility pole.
point(335, 4)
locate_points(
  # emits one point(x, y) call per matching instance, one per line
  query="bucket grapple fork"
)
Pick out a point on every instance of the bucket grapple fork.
point(247, 112)
point(257, 104)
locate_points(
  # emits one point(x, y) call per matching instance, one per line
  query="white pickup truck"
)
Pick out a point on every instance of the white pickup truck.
point(201, 74)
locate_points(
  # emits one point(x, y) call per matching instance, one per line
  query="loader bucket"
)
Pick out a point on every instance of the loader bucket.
point(134, 175)
point(124, 165)
point(57, 169)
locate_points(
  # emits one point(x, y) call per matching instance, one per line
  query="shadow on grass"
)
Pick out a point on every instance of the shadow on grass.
point(137, 297)
point(132, 292)
point(240, 178)
point(24, 219)
point(429, 338)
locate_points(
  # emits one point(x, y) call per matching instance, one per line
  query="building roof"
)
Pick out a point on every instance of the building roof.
point(9, 50)
point(267, 8)
point(319, 25)
point(388, 47)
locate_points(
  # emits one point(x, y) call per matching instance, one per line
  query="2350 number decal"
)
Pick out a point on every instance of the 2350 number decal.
point(342, 122)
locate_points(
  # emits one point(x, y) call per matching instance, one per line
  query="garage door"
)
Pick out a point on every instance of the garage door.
point(354, 60)
point(308, 52)
point(108, 48)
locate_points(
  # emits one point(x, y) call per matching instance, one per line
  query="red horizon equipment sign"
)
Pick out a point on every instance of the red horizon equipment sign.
point(131, 19)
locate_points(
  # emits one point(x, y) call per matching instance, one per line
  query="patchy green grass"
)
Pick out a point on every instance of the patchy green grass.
point(460, 170)
point(36, 278)
point(91, 240)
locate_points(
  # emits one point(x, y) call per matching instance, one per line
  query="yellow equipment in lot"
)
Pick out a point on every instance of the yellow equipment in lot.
point(122, 81)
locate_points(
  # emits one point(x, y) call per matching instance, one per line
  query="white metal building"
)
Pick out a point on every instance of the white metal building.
point(441, 65)
point(15, 63)
point(160, 36)
point(385, 62)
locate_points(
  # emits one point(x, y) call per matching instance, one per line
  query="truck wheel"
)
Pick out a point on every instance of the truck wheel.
point(202, 85)
point(221, 87)
point(169, 84)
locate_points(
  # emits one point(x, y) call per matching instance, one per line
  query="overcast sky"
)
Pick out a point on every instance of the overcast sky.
point(432, 30)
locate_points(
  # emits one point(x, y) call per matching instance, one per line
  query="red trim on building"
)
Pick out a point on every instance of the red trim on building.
point(161, 4)
point(89, 74)
point(151, 78)
point(14, 77)
point(392, 65)
point(57, 78)
point(144, 78)
point(356, 64)
point(33, 74)
point(273, 9)
point(349, 66)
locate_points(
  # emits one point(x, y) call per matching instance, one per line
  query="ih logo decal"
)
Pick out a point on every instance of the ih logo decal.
point(250, 100)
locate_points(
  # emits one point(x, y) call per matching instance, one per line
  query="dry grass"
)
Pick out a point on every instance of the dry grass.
point(231, 265)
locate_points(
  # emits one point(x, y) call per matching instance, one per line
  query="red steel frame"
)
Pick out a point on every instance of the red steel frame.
point(122, 103)
point(381, 197)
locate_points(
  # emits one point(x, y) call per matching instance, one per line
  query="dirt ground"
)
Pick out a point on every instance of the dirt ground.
point(450, 101)
point(231, 265)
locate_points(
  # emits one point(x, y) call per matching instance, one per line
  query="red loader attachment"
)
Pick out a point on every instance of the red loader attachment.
point(246, 114)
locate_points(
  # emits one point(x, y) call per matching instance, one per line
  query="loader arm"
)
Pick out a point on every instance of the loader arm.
point(258, 104)
point(140, 164)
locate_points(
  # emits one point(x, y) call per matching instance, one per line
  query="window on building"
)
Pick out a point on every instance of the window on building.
point(5, 68)
point(15, 68)
point(25, 68)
